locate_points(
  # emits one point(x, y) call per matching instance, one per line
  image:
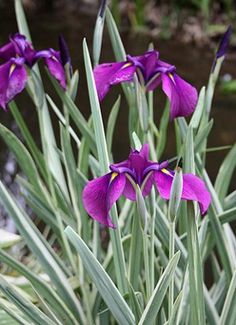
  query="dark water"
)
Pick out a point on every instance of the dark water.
point(192, 63)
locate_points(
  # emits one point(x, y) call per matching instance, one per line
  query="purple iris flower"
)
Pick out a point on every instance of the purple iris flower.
point(24, 49)
point(151, 72)
point(18, 47)
point(53, 62)
point(101, 193)
point(19, 54)
point(13, 73)
point(56, 61)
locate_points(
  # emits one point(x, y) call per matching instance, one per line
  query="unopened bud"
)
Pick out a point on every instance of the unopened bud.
point(176, 193)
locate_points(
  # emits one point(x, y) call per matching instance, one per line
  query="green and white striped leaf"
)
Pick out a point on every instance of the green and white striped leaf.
point(101, 279)
point(228, 315)
point(27, 308)
point(196, 117)
point(34, 240)
point(111, 124)
point(98, 32)
point(225, 174)
point(158, 295)
point(42, 287)
point(22, 155)
point(11, 315)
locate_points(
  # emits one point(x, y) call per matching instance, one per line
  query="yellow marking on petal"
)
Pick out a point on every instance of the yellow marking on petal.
point(12, 68)
point(54, 58)
point(126, 65)
point(165, 171)
point(113, 176)
point(171, 77)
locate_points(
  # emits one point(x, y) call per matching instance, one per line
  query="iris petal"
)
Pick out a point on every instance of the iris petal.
point(13, 78)
point(109, 74)
point(146, 63)
point(129, 191)
point(193, 188)
point(182, 96)
point(144, 151)
point(100, 194)
point(55, 67)
point(24, 48)
point(7, 51)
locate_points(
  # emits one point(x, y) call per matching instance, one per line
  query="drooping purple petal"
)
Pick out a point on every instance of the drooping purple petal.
point(4, 76)
point(183, 97)
point(109, 74)
point(56, 70)
point(100, 194)
point(13, 78)
point(55, 67)
point(17, 79)
point(7, 51)
point(129, 191)
point(194, 188)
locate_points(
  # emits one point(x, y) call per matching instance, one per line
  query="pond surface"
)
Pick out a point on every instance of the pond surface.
point(192, 63)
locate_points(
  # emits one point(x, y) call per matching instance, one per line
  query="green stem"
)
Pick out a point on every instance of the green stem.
point(96, 240)
point(152, 243)
point(135, 251)
point(197, 307)
point(171, 254)
point(146, 265)
point(119, 259)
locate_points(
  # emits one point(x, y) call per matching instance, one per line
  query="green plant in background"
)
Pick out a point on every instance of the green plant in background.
point(135, 12)
point(150, 269)
point(138, 14)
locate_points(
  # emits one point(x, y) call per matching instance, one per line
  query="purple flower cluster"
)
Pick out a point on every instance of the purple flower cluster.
point(151, 72)
point(101, 193)
point(18, 56)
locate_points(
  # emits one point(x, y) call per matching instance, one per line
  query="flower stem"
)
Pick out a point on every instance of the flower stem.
point(197, 306)
point(146, 264)
point(135, 251)
point(152, 243)
point(171, 254)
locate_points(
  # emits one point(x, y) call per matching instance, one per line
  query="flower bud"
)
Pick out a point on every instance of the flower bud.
point(175, 193)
